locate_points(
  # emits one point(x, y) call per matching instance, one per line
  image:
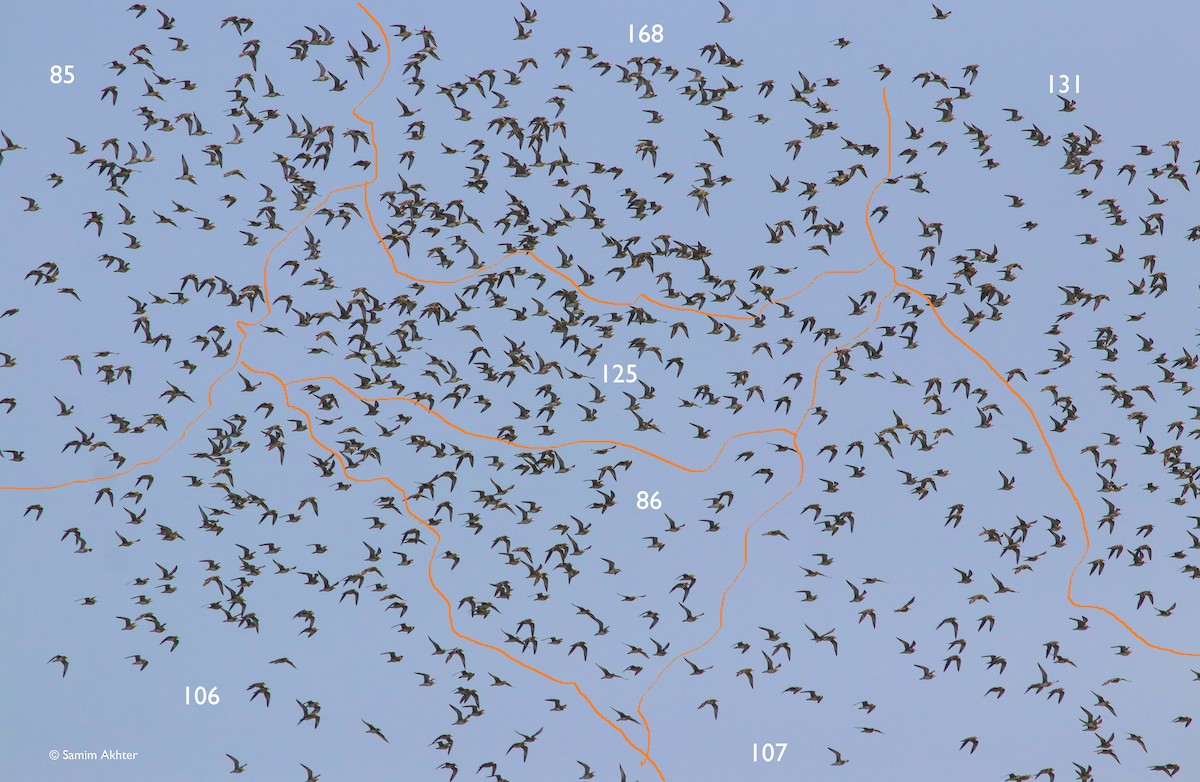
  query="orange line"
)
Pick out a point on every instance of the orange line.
point(746, 534)
point(640, 296)
point(433, 583)
point(1032, 415)
point(716, 458)
point(850, 272)
point(241, 325)
point(425, 281)
point(242, 329)
point(269, 308)
point(513, 443)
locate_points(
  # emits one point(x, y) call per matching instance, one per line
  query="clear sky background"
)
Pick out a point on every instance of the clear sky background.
point(1135, 69)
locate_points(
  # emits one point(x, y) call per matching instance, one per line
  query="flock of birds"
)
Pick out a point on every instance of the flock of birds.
point(497, 406)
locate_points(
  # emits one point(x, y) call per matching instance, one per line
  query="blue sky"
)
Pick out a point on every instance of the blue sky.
point(1132, 65)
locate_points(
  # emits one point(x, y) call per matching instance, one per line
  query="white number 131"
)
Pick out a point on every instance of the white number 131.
point(1064, 83)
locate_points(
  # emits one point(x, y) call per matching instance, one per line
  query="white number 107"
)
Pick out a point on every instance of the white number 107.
point(770, 753)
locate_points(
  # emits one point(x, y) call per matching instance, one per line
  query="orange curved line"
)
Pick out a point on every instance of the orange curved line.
point(640, 296)
point(433, 583)
point(720, 611)
point(169, 448)
point(579, 289)
point(241, 325)
point(849, 272)
point(746, 533)
point(513, 443)
point(1032, 415)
